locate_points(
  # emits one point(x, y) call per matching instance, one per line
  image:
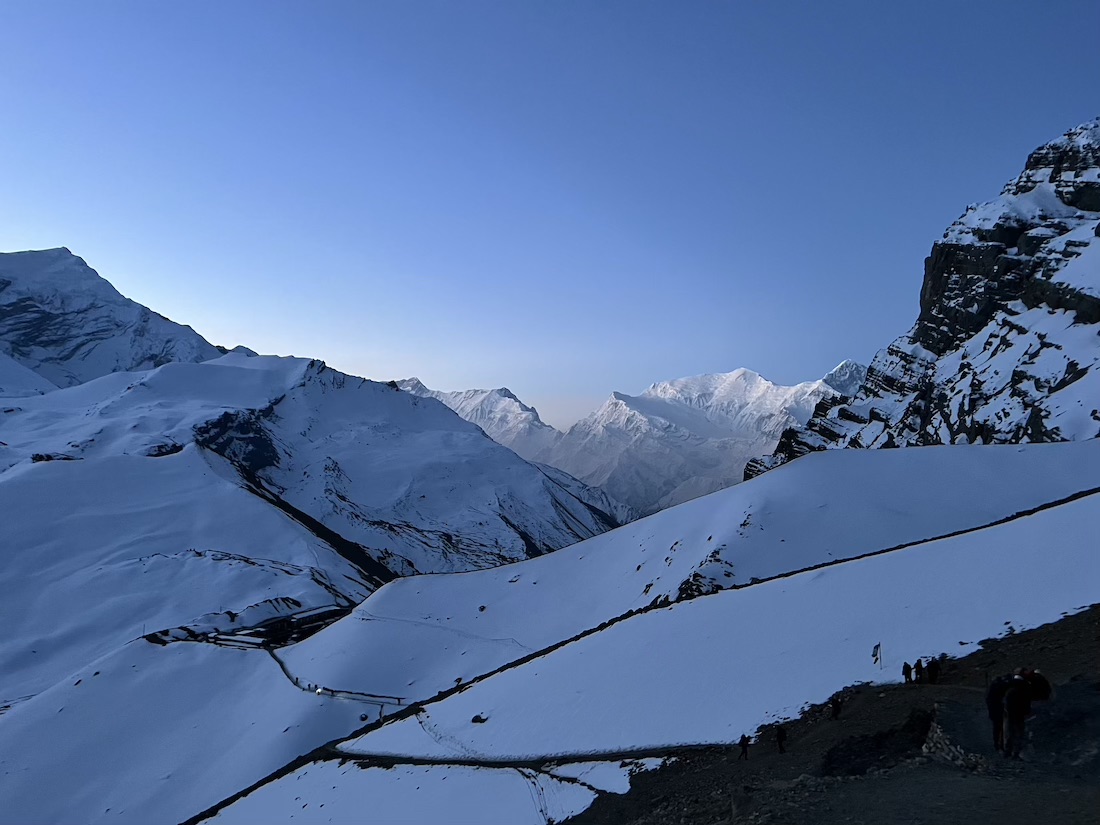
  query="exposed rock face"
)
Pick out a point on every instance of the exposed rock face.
point(846, 377)
point(61, 320)
point(1006, 344)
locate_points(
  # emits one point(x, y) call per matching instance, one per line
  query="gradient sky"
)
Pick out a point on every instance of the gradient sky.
point(566, 198)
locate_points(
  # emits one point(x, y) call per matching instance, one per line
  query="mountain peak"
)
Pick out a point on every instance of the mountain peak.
point(60, 319)
point(846, 377)
point(498, 412)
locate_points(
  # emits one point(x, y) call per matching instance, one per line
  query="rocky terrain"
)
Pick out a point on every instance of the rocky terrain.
point(1005, 347)
point(902, 753)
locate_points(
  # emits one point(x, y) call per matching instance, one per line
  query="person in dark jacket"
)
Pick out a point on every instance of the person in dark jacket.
point(907, 672)
point(918, 672)
point(836, 704)
point(744, 743)
point(1017, 708)
point(994, 702)
point(1041, 691)
point(933, 671)
point(781, 738)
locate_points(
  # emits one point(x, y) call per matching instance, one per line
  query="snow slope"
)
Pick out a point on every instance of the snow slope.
point(432, 630)
point(702, 671)
point(17, 380)
point(61, 320)
point(411, 639)
point(147, 734)
point(738, 659)
point(100, 551)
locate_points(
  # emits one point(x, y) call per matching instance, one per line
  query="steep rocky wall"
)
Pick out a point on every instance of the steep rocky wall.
point(1006, 345)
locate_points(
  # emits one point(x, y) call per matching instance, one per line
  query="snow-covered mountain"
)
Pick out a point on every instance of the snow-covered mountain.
point(514, 694)
point(677, 440)
point(684, 438)
point(505, 418)
point(60, 319)
point(202, 496)
point(425, 490)
point(510, 422)
point(256, 485)
point(846, 377)
point(1006, 345)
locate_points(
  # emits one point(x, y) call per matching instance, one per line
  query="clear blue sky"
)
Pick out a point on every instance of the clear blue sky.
point(566, 198)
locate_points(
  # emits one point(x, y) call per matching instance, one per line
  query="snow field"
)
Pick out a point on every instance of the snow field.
point(98, 552)
point(708, 670)
point(328, 792)
point(159, 735)
point(431, 630)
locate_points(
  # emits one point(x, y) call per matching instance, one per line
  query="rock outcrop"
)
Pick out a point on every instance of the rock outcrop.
point(1006, 344)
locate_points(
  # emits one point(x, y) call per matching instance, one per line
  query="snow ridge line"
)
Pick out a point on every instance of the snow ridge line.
point(330, 750)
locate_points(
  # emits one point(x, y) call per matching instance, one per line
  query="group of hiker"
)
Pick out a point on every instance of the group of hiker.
point(746, 740)
point(1009, 701)
point(918, 673)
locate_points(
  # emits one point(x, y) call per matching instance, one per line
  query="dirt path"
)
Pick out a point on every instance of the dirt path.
point(868, 765)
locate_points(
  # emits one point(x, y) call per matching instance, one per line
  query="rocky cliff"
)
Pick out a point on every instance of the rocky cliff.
point(1005, 347)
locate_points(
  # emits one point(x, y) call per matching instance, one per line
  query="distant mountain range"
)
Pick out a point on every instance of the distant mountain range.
point(676, 441)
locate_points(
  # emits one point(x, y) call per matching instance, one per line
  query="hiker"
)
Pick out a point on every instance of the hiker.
point(835, 705)
point(933, 671)
point(781, 738)
point(918, 672)
point(994, 701)
point(1041, 691)
point(1017, 703)
point(907, 672)
point(744, 742)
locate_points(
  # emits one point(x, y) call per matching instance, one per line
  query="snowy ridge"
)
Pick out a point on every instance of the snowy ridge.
point(1005, 348)
point(61, 320)
point(505, 418)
